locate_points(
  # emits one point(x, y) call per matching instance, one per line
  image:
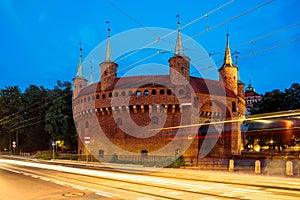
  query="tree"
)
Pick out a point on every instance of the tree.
point(292, 97)
point(277, 100)
point(35, 101)
point(37, 117)
point(10, 106)
point(58, 118)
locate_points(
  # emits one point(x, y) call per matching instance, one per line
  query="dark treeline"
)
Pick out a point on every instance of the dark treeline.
point(33, 119)
point(277, 100)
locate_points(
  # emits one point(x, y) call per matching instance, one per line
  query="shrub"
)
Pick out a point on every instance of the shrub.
point(46, 155)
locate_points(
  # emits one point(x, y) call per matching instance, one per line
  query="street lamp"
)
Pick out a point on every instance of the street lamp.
point(57, 142)
point(53, 144)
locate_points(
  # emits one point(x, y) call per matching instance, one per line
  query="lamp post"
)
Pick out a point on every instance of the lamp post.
point(53, 145)
point(57, 142)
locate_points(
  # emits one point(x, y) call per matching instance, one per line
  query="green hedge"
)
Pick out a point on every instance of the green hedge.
point(46, 155)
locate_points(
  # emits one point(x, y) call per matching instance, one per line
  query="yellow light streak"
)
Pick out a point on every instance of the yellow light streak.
point(289, 113)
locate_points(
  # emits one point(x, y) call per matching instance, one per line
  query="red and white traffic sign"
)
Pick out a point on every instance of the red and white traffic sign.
point(87, 139)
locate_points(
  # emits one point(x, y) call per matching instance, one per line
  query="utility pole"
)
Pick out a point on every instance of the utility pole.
point(9, 143)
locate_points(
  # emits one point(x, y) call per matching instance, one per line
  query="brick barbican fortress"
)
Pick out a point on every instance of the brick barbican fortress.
point(150, 115)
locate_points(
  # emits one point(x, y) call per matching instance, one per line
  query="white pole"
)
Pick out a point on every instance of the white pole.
point(53, 152)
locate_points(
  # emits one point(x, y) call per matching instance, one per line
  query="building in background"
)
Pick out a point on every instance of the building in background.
point(251, 96)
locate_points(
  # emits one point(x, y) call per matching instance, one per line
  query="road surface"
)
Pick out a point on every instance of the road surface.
point(50, 180)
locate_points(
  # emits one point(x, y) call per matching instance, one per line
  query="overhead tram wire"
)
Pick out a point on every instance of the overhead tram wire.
point(160, 38)
point(133, 19)
point(19, 114)
point(172, 32)
point(258, 38)
point(165, 82)
point(268, 34)
point(16, 113)
point(252, 40)
point(271, 48)
point(28, 120)
point(26, 125)
point(190, 24)
point(184, 27)
point(229, 20)
point(204, 16)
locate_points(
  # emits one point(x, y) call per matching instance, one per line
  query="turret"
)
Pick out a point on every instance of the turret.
point(179, 64)
point(250, 88)
point(79, 82)
point(228, 72)
point(108, 67)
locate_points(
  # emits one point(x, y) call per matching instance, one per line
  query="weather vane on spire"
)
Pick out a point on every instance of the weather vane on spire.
point(108, 28)
point(227, 36)
point(108, 56)
point(178, 19)
point(80, 49)
point(80, 46)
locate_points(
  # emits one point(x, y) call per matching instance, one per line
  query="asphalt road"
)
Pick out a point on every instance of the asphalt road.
point(17, 186)
point(35, 180)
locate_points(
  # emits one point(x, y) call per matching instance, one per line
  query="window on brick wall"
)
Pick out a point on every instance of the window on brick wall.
point(181, 91)
point(233, 106)
point(119, 121)
point(169, 92)
point(153, 92)
point(146, 92)
point(101, 153)
point(154, 120)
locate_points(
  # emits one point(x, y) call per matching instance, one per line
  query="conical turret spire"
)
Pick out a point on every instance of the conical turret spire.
point(108, 55)
point(227, 58)
point(250, 88)
point(79, 69)
point(178, 47)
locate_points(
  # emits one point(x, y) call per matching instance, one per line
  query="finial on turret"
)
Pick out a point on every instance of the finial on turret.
point(250, 88)
point(178, 47)
point(108, 55)
point(108, 28)
point(80, 70)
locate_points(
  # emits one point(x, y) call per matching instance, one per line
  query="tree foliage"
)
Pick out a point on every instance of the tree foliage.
point(277, 100)
point(36, 117)
point(58, 118)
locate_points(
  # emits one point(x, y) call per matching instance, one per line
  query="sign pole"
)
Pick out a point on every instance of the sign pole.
point(53, 145)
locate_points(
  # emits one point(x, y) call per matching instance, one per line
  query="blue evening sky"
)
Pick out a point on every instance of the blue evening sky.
point(39, 38)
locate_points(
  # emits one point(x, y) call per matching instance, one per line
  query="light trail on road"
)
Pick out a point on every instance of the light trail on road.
point(155, 186)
